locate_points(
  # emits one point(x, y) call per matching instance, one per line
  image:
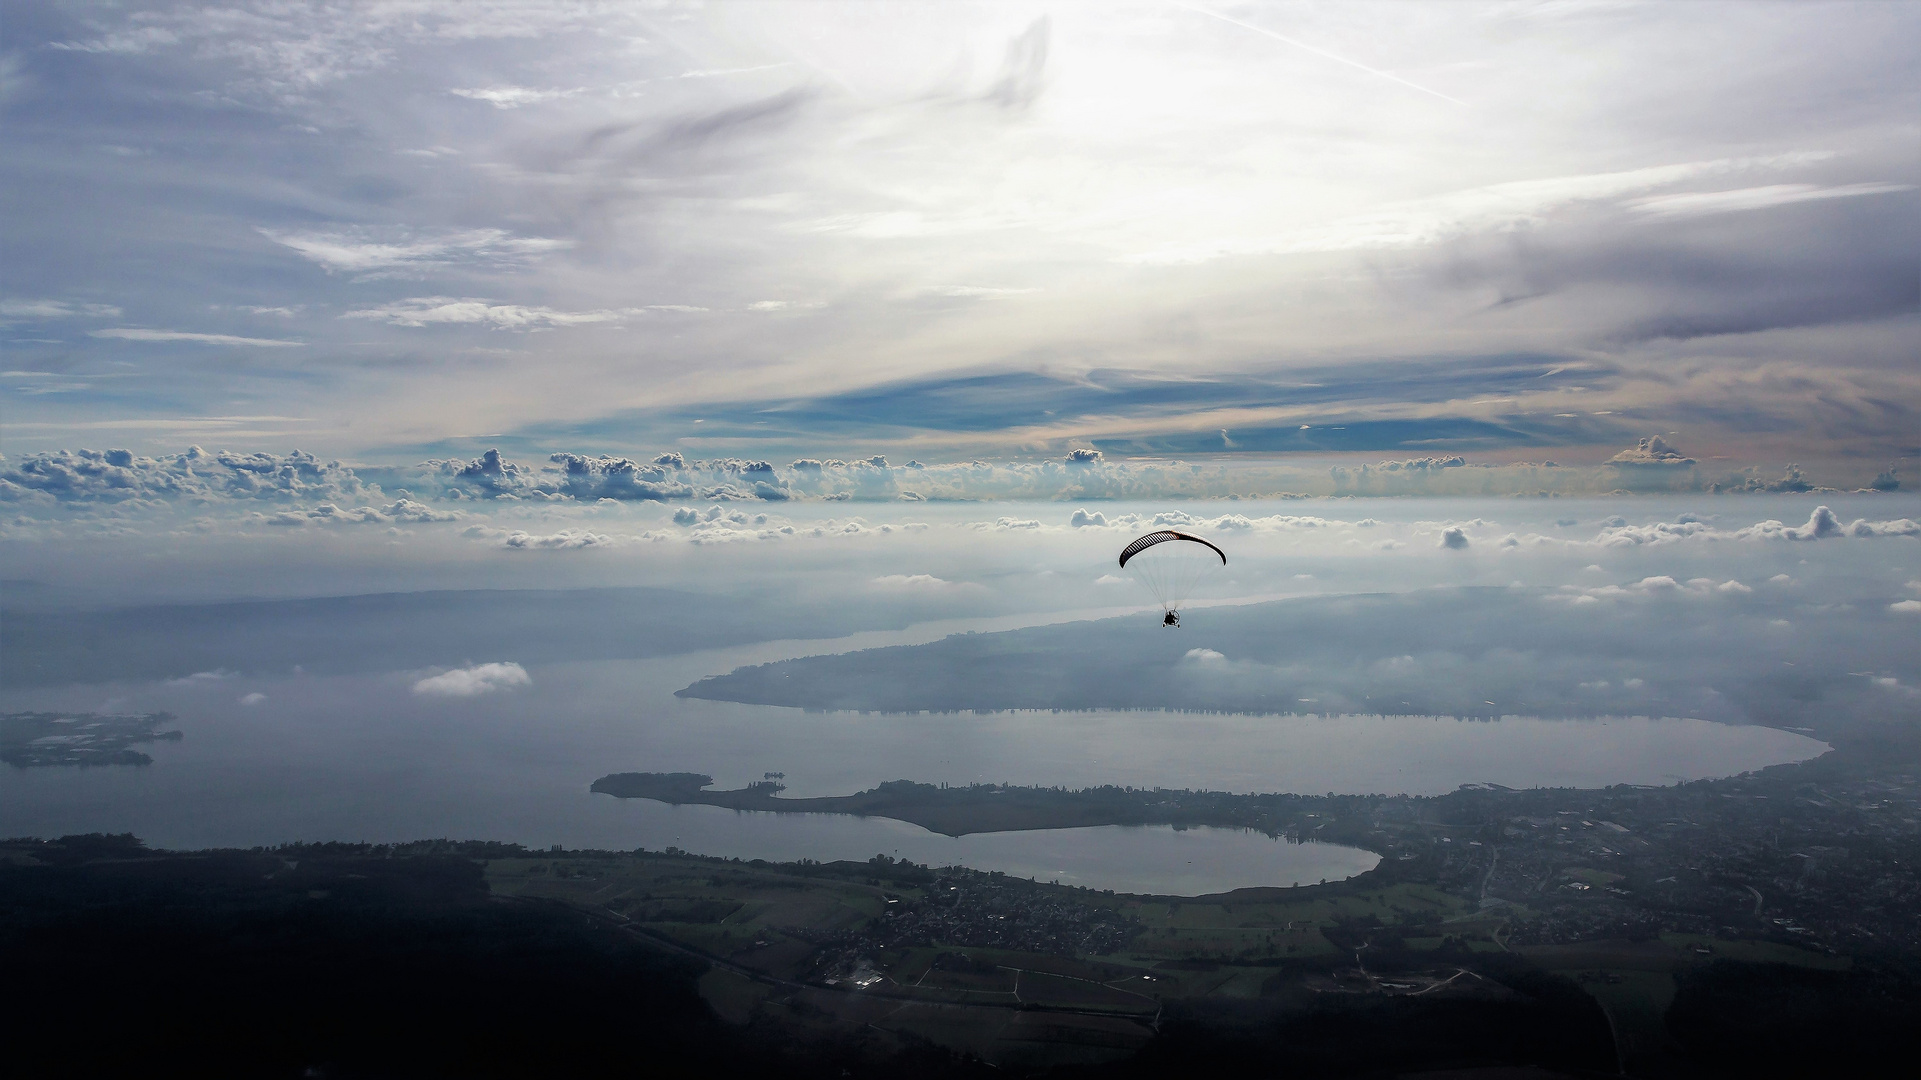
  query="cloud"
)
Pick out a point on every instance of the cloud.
point(404, 511)
point(1906, 607)
point(339, 493)
point(1454, 537)
point(1696, 203)
point(531, 130)
point(621, 478)
point(122, 475)
point(1657, 585)
point(474, 680)
point(423, 311)
point(286, 53)
point(1497, 208)
point(1822, 524)
point(1024, 70)
point(1422, 464)
point(363, 251)
point(1654, 451)
point(564, 540)
point(513, 97)
point(55, 309)
point(136, 334)
point(920, 583)
point(254, 698)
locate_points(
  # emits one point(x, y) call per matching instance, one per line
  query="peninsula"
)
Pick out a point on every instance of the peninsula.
point(957, 811)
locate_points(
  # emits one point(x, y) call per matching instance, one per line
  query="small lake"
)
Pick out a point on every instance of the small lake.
point(1141, 859)
point(363, 758)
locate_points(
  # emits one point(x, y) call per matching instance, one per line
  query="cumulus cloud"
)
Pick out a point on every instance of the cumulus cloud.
point(1791, 481)
point(1822, 524)
point(1653, 451)
point(121, 475)
point(474, 680)
point(404, 511)
point(316, 492)
point(723, 524)
point(665, 477)
point(1657, 585)
point(254, 698)
point(620, 478)
point(1422, 464)
point(1906, 607)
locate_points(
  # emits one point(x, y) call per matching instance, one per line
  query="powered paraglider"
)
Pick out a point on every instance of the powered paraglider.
point(1171, 564)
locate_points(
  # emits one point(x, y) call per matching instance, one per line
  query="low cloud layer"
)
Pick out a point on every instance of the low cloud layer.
point(474, 680)
point(71, 477)
point(194, 475)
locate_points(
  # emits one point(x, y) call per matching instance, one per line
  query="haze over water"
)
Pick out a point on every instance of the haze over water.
point(366, 756)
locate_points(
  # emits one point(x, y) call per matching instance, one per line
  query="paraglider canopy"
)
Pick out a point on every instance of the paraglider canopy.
point(1170, 564)
point(1162, 537)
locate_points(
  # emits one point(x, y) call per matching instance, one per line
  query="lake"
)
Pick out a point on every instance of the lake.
point(362, 757)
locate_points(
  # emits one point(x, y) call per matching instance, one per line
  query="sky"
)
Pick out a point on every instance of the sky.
point(1297, 238)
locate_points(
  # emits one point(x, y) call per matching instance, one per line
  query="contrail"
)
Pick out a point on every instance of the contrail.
point(1320, 52)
